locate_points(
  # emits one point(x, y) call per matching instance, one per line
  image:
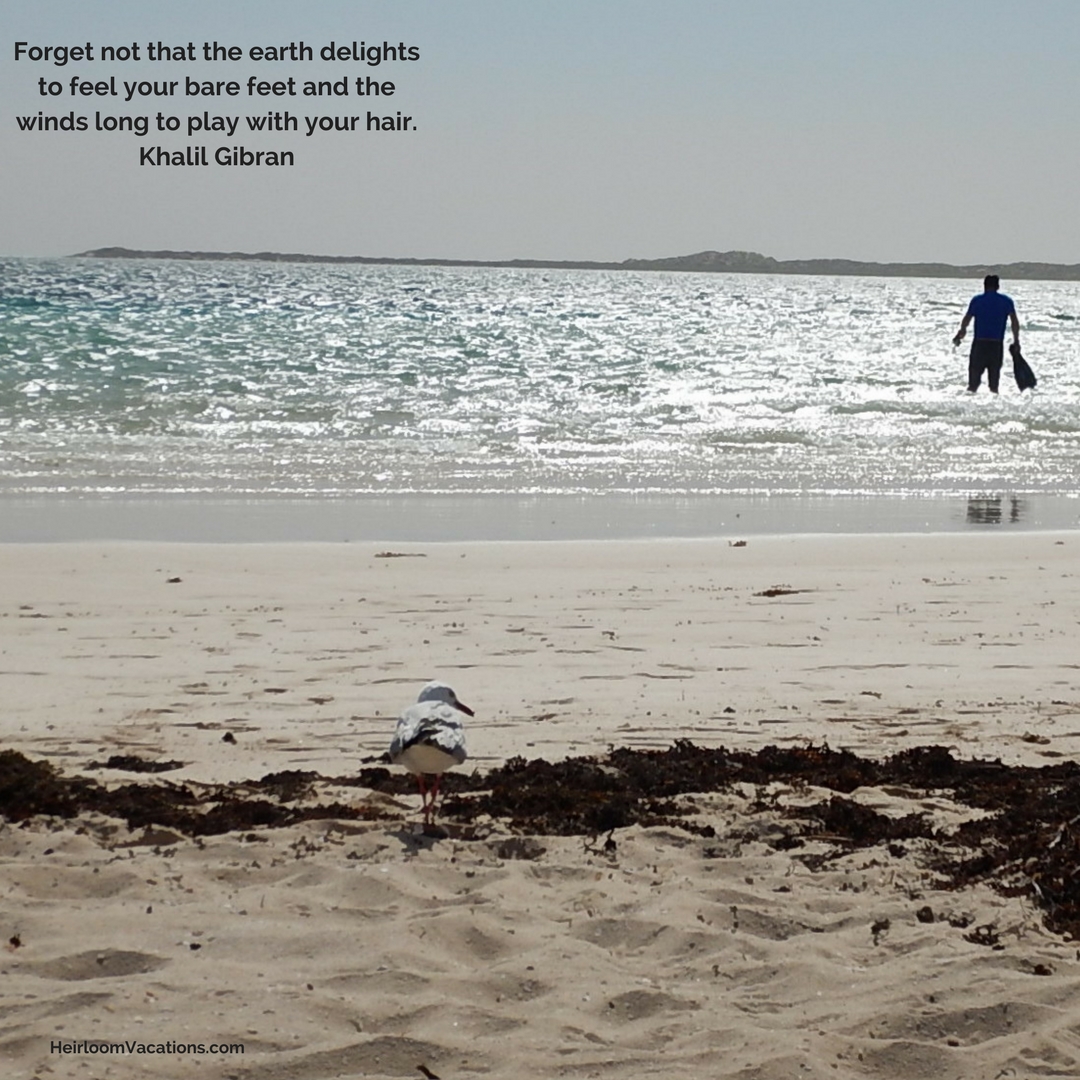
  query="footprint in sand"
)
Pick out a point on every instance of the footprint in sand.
point(97, 964)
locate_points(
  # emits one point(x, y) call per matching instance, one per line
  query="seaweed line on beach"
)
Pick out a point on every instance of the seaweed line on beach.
point(1027, 840)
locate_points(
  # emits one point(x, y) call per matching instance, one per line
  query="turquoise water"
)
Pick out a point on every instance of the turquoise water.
point(251, 380)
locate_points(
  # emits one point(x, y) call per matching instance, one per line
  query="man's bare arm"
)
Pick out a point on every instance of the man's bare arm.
point(963, 329)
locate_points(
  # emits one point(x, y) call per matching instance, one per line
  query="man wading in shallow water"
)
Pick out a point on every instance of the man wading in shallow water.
point(989, 309)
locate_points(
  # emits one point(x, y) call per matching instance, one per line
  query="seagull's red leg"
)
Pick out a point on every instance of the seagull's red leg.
point(423, 795)
point(435, 793)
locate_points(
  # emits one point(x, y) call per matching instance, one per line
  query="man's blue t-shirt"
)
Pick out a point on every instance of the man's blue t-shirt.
point(991, 310)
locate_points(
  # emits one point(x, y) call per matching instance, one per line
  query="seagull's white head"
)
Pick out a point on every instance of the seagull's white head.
point(439, 691)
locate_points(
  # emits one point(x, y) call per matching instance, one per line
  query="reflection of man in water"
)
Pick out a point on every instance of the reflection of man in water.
point(989, 309)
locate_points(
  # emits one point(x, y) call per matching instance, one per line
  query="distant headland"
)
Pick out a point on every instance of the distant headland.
point(707, 262)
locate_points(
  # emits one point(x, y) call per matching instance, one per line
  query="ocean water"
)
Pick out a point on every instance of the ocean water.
point(252, 380)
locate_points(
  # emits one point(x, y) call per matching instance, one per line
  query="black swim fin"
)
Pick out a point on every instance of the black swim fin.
point(1025, 377)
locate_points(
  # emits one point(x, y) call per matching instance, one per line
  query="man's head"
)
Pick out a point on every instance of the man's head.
point(991, 283)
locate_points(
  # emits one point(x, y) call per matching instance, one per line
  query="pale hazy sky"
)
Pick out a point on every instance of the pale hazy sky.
point(589, 129)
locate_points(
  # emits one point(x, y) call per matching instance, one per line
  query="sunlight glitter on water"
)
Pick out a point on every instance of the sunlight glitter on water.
point(303, 379)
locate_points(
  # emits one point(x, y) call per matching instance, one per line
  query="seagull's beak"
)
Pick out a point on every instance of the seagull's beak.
point(464, 708)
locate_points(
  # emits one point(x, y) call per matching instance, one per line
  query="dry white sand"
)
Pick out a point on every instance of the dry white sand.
point(340, 949)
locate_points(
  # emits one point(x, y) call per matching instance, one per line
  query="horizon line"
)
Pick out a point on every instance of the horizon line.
point(708, 261)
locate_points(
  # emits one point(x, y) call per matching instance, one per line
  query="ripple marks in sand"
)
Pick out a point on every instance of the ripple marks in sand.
point(19, 1033)
point(629, 936)
point(966, 1026)
point(71, 883)
point(388, 1055)
point(905, 1060)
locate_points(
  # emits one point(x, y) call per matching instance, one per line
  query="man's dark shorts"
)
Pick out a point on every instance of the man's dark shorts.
point(986, 355)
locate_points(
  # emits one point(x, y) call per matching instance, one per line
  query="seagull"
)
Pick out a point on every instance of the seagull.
point(429, 740)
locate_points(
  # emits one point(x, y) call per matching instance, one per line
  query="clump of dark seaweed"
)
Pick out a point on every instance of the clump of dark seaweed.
point(1027, 841)
point(29, 788)
point(136, 764)
point(287, 786)
point(851, 822)
point(579, 796)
